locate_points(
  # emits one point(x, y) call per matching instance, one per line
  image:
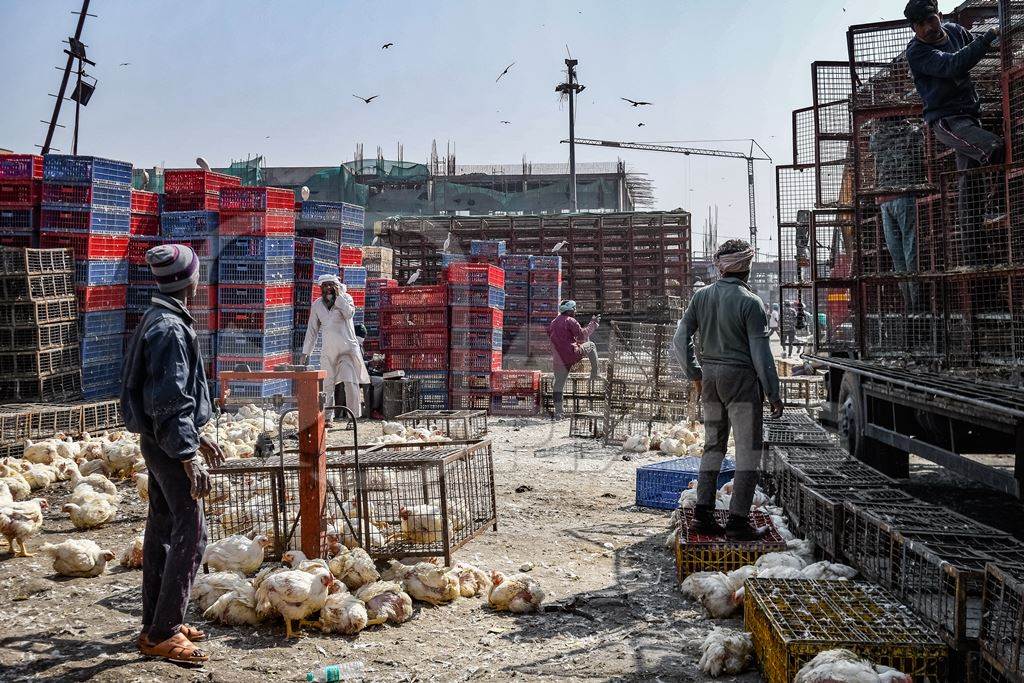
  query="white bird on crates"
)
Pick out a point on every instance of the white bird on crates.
point(304, 193)
point(559, 247)
point(413, 278)
point(201, 163)
point(447, 243)
point(145, 179)
point(376, 238)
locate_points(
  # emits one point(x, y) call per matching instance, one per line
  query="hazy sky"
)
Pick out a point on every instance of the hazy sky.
point(228, 78)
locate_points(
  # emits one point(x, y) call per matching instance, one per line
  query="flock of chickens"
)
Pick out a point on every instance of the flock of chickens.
point(679, 440)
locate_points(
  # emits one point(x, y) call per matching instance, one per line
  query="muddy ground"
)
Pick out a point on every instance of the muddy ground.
point(566, 505)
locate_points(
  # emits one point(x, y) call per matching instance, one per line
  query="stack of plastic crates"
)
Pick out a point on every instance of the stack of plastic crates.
point(371, 313)
point(193, 189)
point(21, 191)
point(476, 292)
point(145, 216)
point(354, 279)
point(515, 336)
point(313, 257)
point(40, 357)
point(487, 251)
point(545, 296)
point(414, 338)
point(515, 392)
point(379, 262)
point(336, 222)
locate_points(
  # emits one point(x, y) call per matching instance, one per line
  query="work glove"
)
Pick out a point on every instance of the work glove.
point(198, 477)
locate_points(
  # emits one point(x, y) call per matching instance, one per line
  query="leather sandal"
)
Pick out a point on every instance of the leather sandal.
point(192, 633)
point(177, 648)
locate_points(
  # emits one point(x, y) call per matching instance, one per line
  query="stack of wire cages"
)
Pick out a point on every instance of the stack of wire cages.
point(515, 392)
point(476, 293)
point(87, 208)
point(375, 287)
point(1002, 625)
point(337, 222)
point(314, 257)
point(545, 297)
point(145, 215)
point(21, 192)
point(414, 338)
point(40, 358)
point(515, 332)
point(379, 261)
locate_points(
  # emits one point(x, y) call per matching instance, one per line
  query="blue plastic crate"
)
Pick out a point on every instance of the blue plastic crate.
point(207, 345)
point(309, 271)
point(313, 249)
point(358, 317)
point(352, 237)
point(140, 275)
point(476, 339)
point(353, 276)
point(430, 380)
point(184, 224)
point(546, 262)
point(102, 371)
point(517, 276)
point(476, 296)
point(277, 271)
point(94, 273)
point(139, 296)
point(434, 400)
point(264, 389)
point(322, 212)
point(448, 259)
point(256, 248)
point(17, 219)
point(100, 219)
point(253, 344)
point(97, 349)
point(515, 262)
point(493, 248)
point(353, 213)
point(66, 168)
point(104, 195)
point(659, 485)
point(109, 389)
point(96, 323)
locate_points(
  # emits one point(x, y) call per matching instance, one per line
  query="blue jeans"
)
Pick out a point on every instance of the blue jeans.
point(899, 223)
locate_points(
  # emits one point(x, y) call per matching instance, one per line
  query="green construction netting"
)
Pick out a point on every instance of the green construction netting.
point(156, 181)
point(390, 170)
point(250, 170)
point(337, 185)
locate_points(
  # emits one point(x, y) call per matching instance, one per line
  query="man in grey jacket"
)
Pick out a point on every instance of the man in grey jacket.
point(735, 373)
point(165, 399)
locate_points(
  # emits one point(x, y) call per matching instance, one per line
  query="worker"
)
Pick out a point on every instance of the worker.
point(166, 401)
point(570, 342)
point(373, 393)
point(788, 328)
point(941, 56)
point(341, 356)
point(735, 373)
point(773, 322)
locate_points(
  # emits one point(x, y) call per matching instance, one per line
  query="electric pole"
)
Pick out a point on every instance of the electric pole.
point(67, 75)
point(571, 88)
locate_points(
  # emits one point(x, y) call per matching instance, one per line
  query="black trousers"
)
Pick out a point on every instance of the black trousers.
point(174, 544)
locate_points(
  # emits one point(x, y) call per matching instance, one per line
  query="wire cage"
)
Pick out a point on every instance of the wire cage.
point(803, 136)
point(975, 227)
point(806, 391)
point(891, 154)
point(455, 424)
point(822, 511)
point(795, 199)
point(904, 319)
point(820, 473)
point(980, 668)
point(878, 65)
point(580, 394)
point(1002, 624)
point(985, 323)
point(697, 553)
point(835, 318)
point(586, 425)
point(833, 133)
point(792, 620)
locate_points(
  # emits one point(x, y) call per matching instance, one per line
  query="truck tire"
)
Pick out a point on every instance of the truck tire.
point(881, 456)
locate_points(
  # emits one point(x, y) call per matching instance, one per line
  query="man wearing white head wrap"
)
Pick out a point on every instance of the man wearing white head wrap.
point(341, 356)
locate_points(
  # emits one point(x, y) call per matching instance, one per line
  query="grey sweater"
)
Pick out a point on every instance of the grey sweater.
point(733, 331)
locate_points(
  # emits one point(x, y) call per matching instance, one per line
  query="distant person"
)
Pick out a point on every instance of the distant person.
point(732, 378)
point(788, 328)
point(941, 56)
point(570, 343)
point(773, 322)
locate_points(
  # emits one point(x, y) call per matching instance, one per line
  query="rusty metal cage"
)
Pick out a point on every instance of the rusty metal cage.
point(1013, 109)
point(982, 669)
point(455, 424)
point(792, 620)
point(806, 391)
point(822, 511)
point(985, 325)
point(976, 230)
point(819, 473)
point(836, 332)
point(795, 188)
point(586, 425)
point(904, 319)
point(99, 415)
point(891, 154)
point(580, 394)
point(879, 72)
point(698, 553)
point(1002, 624)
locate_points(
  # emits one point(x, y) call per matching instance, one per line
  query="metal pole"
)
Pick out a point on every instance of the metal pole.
point(752, 207)
point(64, 80)
point(573, 203)
point(78, 108)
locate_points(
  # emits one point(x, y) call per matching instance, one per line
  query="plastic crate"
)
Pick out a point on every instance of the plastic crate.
point(430, 380)
point(20, 194)
point(144, 224)
point(350, 256)
point(104, 298)
point(353, 276)
point(397, 319)
point(206, 248)
point(193, 201)
point(418, 338)
point(546, 262)
point(491, 248)
point(264, 389)
point(377, 284)
point(515, 262)
point(551, 279)
point(321, 212)
point(515, 405)
point(197, 180)
point(245, 272)
point(310, 271)
point(87, 246)
point(254, 363)
point(17, 240)
point(254, 343)
point(106, 220)
point(86, 197)
point(97, 273)
point(186, 224)
point(145, 203)
point(353, 214)
point(545, 308)
point(253, 297)
point(139, 296)
point(415, 360)
point(256, 223)
point(96, 349)
point(449, 259)
point(658, 485)
point(18, 220)
point(476, 339)
point(358, 298)
point(426, 296)
point(470, 381)
point(65, 168)
point(475, 361)
point(256, 199)
point(207, 319)
point(476, 297)
point(434, 400)
point(257, 248)
point(264, 319)
point(468, 400)
point(21, 166)
point(352, 236)
point(313, 249)
point(476, 274)
point(512, 381)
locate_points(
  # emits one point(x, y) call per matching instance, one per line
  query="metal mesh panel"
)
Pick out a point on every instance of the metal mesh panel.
point(833, 128)
point(976, 229)
point(832, 237)
point(803, 136)
point(903, 319)
point(1012, 30)
point(881, 75)
point(1014, 111)
point(1002, 631)
point(836, 330)
point(986, 321)
point(822, 511)
point(1015, 215)
point(890, 153)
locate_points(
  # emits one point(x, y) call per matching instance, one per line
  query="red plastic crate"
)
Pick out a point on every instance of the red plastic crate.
point(256, 223)
point(17, 194)
point(475, 274)
point(252, 320)
point(376, 284)
point(358, 297)
point(144, 224)
point(546, 277)
point(257, 199)
point(87, 246)
point(18, 241)
point(206, 318)
point(476, 382)
point(467, 400)
point(138, 245)
point(254, 297)
point(144, 202)
point(350, 256)
point(197, 181)
point(192, 201)
point(515, 381)
point(472, 360)
point(477, 318)
point(416, 338)
point(396, 319)
point(206, 297)
point(426, 296)
point(105, 298)
point(515, 405)
point(255, 364)
point(20, 166)
point(416, 360)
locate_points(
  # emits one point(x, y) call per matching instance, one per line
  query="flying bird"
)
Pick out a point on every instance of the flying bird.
point(304, 193)
point(640, 125)
point(125, 64)
point(635, 103)
point(386, 46)
point(414, 277)
point(504, 72)
point(201, 163)
point(366, 99)
point(558, 247)
point(506, 122)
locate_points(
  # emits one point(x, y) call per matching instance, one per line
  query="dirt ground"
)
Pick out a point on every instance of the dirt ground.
point(565, 505)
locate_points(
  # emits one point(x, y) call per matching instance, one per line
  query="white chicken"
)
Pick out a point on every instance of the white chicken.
point(5, 493)
point(780, 559)
point(142, 484)
point(421, 523)
point(385, 602)
point(353, 567)
point(89, 509)
point(237, 607)
point(726, 651)
point(91, 467)
point(637, 443)
point(97, 482)
point(343, 613)
point(20, 521)
point(265, 573)
point(39, 476)
point(673, 446)
point(42, 452)
point(472, 581)
point(208, 587)
point(77, 557)
point(425, 582)
point(294, 595)
point(236, 553)
point(296, 559)
point(517, 593)
point(65, 469)
point(17, 486)
point(824, 570)
point(715, 591)
point(843, 666)
point(131, 556)
point(393, 428)
point(341, 534)
point(120, 457)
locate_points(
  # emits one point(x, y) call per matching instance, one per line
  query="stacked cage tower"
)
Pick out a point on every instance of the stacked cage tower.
point(21, 192)
point(476, 292)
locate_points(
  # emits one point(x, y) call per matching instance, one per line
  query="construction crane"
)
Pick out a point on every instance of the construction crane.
point(697, 151)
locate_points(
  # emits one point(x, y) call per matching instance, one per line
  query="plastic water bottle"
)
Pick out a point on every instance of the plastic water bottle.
point(349, 671)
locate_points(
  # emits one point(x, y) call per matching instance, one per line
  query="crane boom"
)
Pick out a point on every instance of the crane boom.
point(697, 151)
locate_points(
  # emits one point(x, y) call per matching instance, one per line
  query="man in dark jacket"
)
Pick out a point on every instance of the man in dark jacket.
point(941, 56)
point(165, 399)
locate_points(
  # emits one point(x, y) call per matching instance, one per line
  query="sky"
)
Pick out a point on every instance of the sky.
point(228, 78)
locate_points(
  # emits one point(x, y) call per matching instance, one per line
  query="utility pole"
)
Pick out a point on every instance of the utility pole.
point(571, 88)
point(64, 81)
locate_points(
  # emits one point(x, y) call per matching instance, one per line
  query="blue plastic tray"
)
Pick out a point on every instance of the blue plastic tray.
point(97, 323)
point(94, 273)
point(253, 344)
point(277, 271)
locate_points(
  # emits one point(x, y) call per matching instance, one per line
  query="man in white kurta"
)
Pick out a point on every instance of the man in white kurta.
point(340, 356)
